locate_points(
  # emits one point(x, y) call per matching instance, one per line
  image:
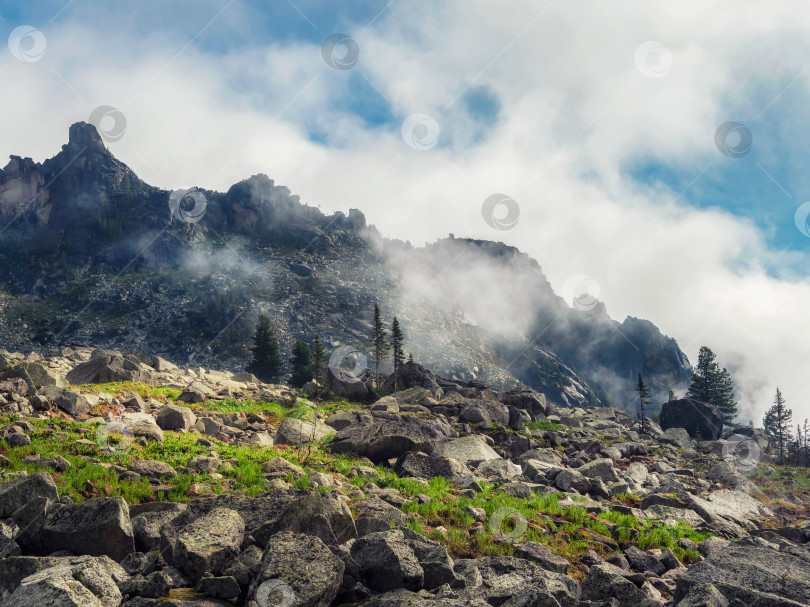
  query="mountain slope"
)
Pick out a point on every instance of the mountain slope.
point(90, 253)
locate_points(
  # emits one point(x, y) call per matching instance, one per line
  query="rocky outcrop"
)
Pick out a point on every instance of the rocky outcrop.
point(753, 571)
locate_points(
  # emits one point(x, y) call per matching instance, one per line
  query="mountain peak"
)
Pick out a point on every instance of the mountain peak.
point(84, 135)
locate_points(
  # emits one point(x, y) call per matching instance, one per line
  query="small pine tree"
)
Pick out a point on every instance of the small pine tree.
point(397, 339)
point(379, 339)
point(777, 422)
point(266, 363)
point(713, 385)
point(301, 364)
point(318, 360)
point(643, 400)
point(806, 463)
point(671, 396)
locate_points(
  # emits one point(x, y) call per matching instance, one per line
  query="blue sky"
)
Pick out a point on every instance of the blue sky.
point(610, 155)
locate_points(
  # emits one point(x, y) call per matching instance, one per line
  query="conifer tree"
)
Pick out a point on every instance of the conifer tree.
point(806, 463)
point(713, 385)
point(379, 339)
point(397, 340)
point(777, 422)
point(318, 360)
point(643, 399)
point(301, 364)
point(266, 363)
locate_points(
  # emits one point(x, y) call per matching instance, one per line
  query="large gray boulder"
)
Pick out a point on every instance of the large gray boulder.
point(484, 413)
point(697, 418)
point(533, 402)
point(678, 437)
point(703, 595)
point(601, 469)
point(108, 367)
point(401, 558)
point(196, 392)
point(389, 435)
point(42, 375)
point(209, 543)
point(55, 588)
point(606, 581)
point(16, 493)
point(149, 519)
point(300, 570)
point(100, 526)
point(387, 562)
point(503, 577)
point(322, 515)
point(421, 465)
point(151, 468)
point(733, 509)
point(538, 553)
point(754, 572)
point(471, 450)
point(176, 417)
point(300, 431)
point(74, 403)
point(65, 581)
point(132, 425)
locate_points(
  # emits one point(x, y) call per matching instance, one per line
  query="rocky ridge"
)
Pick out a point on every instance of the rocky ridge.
point(452, 495)
point(91, 254)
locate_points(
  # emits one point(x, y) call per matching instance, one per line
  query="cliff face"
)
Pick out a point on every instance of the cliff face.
point(90, 253)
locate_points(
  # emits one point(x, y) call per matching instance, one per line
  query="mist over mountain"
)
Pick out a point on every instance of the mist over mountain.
point(90, 253)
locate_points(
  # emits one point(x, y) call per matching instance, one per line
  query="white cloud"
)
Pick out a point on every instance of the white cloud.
point(575, 115)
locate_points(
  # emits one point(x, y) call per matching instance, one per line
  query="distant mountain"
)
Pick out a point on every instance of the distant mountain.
point(89, 253)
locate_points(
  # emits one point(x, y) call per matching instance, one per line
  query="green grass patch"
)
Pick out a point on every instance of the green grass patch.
point(544, 425)
point(140, 388)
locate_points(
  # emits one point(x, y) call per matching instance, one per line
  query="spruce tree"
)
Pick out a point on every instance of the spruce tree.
point(643, 399)
point(713, 385)
point(671, 396)
point(397, 339)
point(806, 463)
point(318, 360)
point(777, 422)
point(379, 339)
point(266, 363)
point(301, 364)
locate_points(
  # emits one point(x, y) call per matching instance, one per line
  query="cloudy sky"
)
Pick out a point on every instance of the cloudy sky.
point(656, 148)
